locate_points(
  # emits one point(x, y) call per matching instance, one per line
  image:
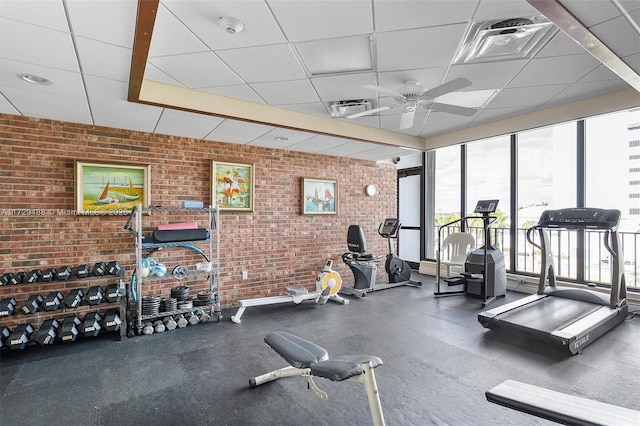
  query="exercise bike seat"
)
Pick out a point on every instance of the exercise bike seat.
point(296, 351)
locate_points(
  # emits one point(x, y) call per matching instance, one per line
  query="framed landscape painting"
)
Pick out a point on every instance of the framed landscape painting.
point(232, 186)
point(319, 196)
point(111, 188)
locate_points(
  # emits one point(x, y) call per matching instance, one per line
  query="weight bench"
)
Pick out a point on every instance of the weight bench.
point(560, 407)
point(310, 360)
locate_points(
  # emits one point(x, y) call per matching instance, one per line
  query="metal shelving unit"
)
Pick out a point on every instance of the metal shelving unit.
point(210, 247)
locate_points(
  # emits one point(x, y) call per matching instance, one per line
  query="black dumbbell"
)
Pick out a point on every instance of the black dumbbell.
point(4, 279)
point(20, 336)
point(32, 305)
point(49, 274)
point(94, 295)
point(111, 320)
point(68, 332)
point(11, 279)
point(91, 324)
point(74, 298)
point(5, 332)
point(63, 273)
point(99, 268)
point(7, 307)
point(112, 293)
point(47, 332)
point(83, 271)
point(114, 268)
point(52, 301)
point(32, 276)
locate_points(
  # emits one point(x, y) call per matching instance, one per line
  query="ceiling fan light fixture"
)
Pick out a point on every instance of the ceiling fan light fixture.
point(505, 39)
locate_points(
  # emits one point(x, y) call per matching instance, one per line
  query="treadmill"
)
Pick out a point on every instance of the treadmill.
point(567, 317)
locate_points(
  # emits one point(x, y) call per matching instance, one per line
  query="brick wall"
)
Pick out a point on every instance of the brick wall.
point(275, 244)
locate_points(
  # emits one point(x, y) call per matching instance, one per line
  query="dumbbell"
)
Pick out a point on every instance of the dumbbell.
point(32, 305)
point(99, 268)
point(11, 279)
point(49, 274)
point(7, 306)
point(112, 293)
point(169, 323)
point(180, 321)
point(83, 271)
point(68, 332)
point(52, 301)
point(5, 332)
point(63, 273)
point(47, 332)
point(191, 318)
point(4, 279)
point(20, 336)
point(114, 268)
point(111, 320)
point(90, 326)
point(147, 328)
point(94, 295)
point(32, 276)
point(158, 326)
point(74, 298)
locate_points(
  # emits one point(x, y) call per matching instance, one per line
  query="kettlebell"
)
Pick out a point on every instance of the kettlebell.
point(158, 270)
point(146, 265)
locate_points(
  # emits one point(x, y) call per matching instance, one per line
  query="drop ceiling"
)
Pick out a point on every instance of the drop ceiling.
point(176, 71)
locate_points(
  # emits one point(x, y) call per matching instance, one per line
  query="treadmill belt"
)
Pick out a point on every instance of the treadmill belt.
point(549, 314)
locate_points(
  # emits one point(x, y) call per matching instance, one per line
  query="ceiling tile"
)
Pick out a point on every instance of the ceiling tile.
point(202, 17)
point(37, 45)
point(317, 143)
point(560, 45)
point(275, 62)
point(195, 70)
point(151, 72)
point(121, 114)
point(107, 21)
point(237, 91)
point(428, 77)
point(394, 15)
point(48, 14)
point(492, 114)
point(577, 91)
point(595, 12)
point(619, 34)
point(286, 92)
point(309, 20)
point(524, 96)
point(104, 60)
point(488, 75)
point(172, 37)
point(556, 70)
point(391, 122)
point(269, 140)
point(344, 87)
point(48, 105)
point(489, 10)
point(350, 148)
point(236, 131)
point(6, 107)
point(181, 123)
point(315, 108)
point(65, 83)
point(418, 48)
point(367, 120)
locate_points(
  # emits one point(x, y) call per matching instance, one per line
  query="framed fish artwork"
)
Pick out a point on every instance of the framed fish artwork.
point(232, 186)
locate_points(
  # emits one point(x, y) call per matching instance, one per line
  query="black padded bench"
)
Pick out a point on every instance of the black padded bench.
point(560, 407)
point(310, 360)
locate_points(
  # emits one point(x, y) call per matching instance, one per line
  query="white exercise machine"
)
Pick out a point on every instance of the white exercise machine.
point(328, 284)
point(309, 360)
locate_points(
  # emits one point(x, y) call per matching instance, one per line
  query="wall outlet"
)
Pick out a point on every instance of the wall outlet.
point(245, 275)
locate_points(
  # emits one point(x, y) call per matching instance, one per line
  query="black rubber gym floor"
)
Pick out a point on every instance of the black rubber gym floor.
point(438, 362)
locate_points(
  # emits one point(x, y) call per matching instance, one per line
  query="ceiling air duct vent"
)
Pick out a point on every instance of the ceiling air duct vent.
point(505, 39)
point(344, 108)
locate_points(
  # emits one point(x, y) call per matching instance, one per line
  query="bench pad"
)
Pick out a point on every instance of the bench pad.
point(298, 352)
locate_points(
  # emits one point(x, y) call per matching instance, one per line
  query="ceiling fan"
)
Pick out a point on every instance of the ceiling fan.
point(413, 95)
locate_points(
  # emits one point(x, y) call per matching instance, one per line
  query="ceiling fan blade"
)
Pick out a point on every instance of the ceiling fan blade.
point(371, 111)
point(449, 86)
point(406, 120)
point(383, 91)
point(453, 109)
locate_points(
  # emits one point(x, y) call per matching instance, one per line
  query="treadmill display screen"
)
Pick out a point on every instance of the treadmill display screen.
point(575, 218)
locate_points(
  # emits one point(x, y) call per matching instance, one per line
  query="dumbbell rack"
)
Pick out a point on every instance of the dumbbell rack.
point(210, 246)
point(61, 313)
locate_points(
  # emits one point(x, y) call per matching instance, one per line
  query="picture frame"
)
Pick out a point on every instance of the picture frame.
point(319, 196)
point(111, 188)
point(232, 186)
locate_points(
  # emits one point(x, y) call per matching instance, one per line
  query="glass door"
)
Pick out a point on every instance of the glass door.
point(410, 202)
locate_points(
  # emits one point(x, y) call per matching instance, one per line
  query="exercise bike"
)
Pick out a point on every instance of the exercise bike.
point(328, 284)
point(365, 265)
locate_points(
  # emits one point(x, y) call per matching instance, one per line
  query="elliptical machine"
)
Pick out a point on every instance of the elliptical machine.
point(365, 265)
point(485, 273)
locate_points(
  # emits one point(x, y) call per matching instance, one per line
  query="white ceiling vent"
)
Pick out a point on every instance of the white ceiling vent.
point(505, 39)
point(344, 108)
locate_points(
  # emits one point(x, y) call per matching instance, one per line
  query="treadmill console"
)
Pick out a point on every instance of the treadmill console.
point(576, 218)
point(486, 206)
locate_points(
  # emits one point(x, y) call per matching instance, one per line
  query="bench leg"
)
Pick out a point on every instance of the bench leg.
point(368, 378)
point(278, 374)
point(236, 318)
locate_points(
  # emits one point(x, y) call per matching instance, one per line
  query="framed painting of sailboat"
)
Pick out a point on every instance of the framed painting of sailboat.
point(319, 196)
point(110, 187)
point(232, 186)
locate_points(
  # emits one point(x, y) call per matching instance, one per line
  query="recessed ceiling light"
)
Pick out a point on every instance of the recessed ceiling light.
point(282, 138)
point(35, 79)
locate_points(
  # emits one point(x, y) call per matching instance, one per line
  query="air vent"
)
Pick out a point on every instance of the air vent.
point(344, 108)
point(504, 39)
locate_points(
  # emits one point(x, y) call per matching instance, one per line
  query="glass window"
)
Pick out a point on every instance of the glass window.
point(488, 178)
point(447, 188)
point(547, 180)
